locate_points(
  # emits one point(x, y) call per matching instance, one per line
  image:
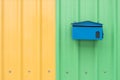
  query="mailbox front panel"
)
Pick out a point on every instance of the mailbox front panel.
point(87, 33)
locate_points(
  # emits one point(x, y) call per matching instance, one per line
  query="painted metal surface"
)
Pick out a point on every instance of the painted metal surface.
point(27, 39)
point(88, 60)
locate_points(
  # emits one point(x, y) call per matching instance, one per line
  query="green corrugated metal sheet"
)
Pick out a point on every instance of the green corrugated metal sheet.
point(88, 60)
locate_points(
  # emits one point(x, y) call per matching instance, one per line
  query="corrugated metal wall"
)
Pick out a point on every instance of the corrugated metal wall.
point(88, 60)
point(27, 39)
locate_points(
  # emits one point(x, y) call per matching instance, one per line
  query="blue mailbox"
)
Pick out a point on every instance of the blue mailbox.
point(87, 30)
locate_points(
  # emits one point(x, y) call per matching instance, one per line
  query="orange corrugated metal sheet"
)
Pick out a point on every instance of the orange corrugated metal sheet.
point(27, 39)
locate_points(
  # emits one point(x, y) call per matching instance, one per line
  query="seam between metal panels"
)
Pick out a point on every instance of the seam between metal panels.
point(2, 50)
point(60, 39)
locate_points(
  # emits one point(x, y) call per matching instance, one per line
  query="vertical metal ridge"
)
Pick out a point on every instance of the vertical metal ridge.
point(96, 55)
point(78, 10)
point(0, 39)
point(97, 10)
point(96, 64)
point(96, 61)
point(19, 31)
point(21, 36)
point(85, 8)
point(2, 35)
point(79, 41)
point(38, 13)
point(116, 41)
point(96, 58)
point(41, 39)
point(113, 40)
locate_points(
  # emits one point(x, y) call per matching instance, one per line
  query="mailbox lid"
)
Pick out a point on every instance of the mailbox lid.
point(86, 24)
